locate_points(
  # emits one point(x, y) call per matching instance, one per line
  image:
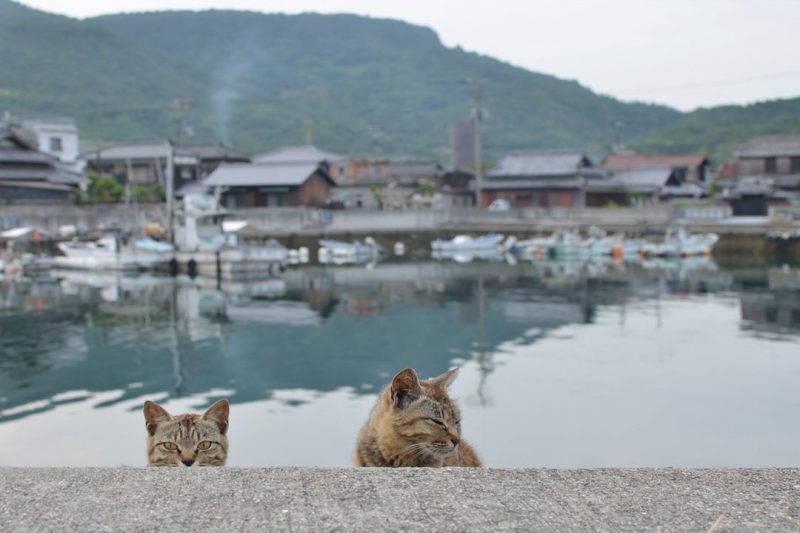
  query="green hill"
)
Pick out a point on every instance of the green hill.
point(258, 81)
point(717, 131)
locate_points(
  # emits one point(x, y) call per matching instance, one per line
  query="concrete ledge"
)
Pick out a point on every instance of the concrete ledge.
point(311, 499)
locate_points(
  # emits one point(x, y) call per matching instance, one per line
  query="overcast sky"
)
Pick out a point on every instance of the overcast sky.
point(684, 53)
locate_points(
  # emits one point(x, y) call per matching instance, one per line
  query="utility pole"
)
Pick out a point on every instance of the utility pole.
point(183, 108)
point(476, 137)
point(170, 187)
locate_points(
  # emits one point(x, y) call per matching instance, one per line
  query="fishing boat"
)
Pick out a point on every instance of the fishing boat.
point(465, 243)
point(107, 253)
point(210, 244)
point(356, 252)
point(680, 243)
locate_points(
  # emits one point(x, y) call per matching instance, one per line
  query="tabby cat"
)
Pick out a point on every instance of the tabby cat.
point(414, 423)
point(187, 439)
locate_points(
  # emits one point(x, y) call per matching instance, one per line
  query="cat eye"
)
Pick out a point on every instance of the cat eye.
point(171, 446)
point(206, 444)
point(438, 422)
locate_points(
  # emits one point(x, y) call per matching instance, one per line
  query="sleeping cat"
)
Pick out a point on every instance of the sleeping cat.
point(414, 423)
point(188, 439)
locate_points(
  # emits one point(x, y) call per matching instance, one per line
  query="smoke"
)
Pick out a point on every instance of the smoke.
point(227, 84)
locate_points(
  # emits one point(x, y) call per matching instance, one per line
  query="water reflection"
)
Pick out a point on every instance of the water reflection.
point(317, 331)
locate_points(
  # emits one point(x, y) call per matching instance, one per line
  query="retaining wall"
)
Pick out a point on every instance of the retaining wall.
point(466, 499)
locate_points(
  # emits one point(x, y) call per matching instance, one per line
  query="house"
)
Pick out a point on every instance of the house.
point(456, 188)
point(28, 175)
point(639, 187)
point(387, 183)
point(540, 178)
point(306, 153)
point(686, 168)
point(195, 162)
point(145, 163)
point(55, 136)
point(248, 185)
point(773, 157)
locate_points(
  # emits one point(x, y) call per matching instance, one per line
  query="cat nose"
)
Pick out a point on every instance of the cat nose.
point(455, 440)
point(188, 462)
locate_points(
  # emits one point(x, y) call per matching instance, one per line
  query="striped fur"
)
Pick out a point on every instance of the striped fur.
point(414, 423)
point(189, 439)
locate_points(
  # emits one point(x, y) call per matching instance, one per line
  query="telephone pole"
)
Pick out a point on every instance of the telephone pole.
point(183, 108)
point(170, 190)
point(476, 137)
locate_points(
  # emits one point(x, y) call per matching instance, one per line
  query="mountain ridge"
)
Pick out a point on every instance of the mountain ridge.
point(256, 81)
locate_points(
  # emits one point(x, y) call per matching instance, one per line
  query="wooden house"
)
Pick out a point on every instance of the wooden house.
point(686, 168)
point(539, 178)
point(774, 157)
point(29, 176)
point(146, 163)
point(250, 185)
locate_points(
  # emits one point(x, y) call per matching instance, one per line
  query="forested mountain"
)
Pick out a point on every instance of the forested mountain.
point(256, 81)
point(717, 131)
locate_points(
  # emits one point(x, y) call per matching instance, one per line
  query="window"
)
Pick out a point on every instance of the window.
point(794, 165)
point(770, 165)
point(55, 144)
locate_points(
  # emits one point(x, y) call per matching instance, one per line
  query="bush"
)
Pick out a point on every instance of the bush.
point(104, 189)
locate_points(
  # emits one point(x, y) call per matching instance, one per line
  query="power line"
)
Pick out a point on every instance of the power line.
point(717, 83)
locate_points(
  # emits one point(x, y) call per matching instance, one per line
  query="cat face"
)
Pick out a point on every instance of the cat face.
point(187, 440)
point(424, 415)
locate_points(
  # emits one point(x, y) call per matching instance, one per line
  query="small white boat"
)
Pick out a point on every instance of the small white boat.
point(465, 243)
point(680, 243)
point(107, 254)
point(343, 253)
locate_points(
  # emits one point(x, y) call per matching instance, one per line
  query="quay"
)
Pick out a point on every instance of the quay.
point(315, 499)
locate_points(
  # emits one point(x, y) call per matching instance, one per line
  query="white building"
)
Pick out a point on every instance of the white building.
point(55, 136)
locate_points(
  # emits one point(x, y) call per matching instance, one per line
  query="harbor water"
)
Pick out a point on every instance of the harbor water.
point(569, 365)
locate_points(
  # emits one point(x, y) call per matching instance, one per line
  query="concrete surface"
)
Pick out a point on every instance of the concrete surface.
point(308, 499)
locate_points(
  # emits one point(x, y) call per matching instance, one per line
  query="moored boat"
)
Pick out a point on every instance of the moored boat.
point(465, 243)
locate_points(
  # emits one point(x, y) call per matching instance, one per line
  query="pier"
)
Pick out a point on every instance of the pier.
point(313, 499)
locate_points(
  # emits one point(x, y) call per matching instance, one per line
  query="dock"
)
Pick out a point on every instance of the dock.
point(314, 499)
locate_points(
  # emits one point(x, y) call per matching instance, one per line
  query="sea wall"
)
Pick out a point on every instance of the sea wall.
point(283, 222)
point(314, 499)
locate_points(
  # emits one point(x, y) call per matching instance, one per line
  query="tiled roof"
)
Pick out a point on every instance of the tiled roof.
point(262, 175)
point(31, 174)
point(14, 149)
point(160, 150)
point(614, 161)
point(143, 150)
point(508, 184)
point(21, 163)
point(770, 146)
point(210, 151)
point(297, 154)
point(539, 163)
point(643, 179)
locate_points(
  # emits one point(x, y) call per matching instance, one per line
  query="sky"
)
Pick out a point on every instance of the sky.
point(683, 53)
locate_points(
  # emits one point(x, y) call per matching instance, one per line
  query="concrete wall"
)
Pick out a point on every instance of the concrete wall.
point(397, 499)
point(307, 221)
point(84, 218)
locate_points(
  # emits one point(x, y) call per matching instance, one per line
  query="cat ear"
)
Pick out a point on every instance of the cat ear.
point(405, 388)
point(218, 413)
point(154, 414)
point(446, 379)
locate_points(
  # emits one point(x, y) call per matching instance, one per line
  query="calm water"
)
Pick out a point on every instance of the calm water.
point(563, 365)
